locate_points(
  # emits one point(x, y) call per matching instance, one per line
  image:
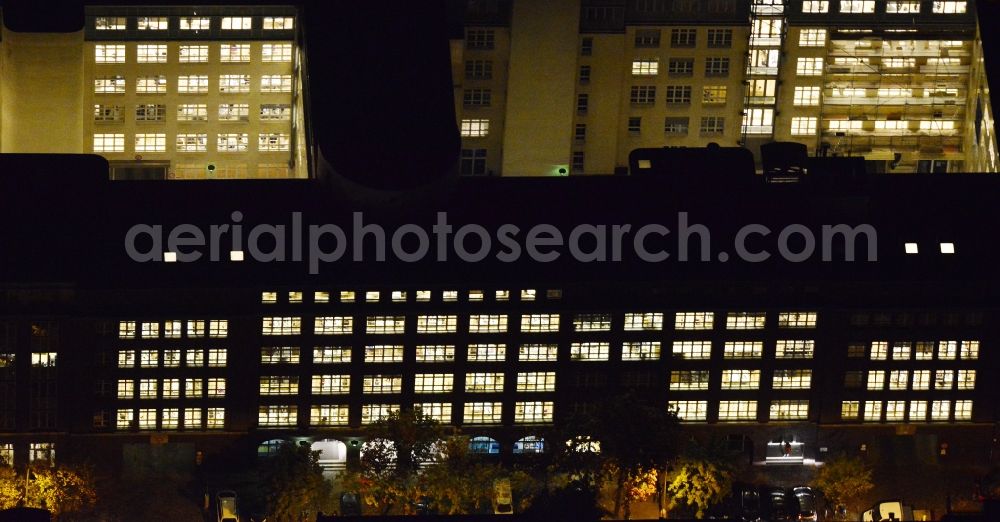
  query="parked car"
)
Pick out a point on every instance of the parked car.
point(225, 505)
point(807, 504)
point(503, 502)
point(779, 508)
point(749, 505)
point(349, 504)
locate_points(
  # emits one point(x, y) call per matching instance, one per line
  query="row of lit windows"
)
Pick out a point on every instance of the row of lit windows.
point(193, 23)
point(157, 53)
point(194, 84)
point(486, 323)
point(37, 452)
point(191, 112)
point(38, 360)
point(892, 6)
point(800, 379)
point(736, 411)
point(194, 388)
point(193, 142)
point(192, 358)
point(218, 328)
point(920, 350)
point(400, 296)
point(714, 67)
point(475, 382)
point(922, 379)
point(170, 418)
point(913, 411)
point(525, 412)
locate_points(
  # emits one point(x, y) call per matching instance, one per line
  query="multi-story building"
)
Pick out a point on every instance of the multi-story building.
point(107, 356)
point(574, 87)
point(162, 92)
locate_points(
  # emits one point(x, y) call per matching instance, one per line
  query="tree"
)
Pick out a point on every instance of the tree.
point(639, 485)
point(699, 484)
point(459, 482)
point(633, 439)
point(395, 448)
point(843, 480)
point(11, 487)
point(294, 483)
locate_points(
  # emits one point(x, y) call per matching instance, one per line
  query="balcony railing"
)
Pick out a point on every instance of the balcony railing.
point(758, 129)
point(765, 41)
point(891, 100)
point(757, 70)
point(944, 69)
point(859, 68)
point(768, 10)
point(760, 100)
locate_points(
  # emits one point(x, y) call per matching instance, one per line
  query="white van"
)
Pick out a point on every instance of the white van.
point(503, 503)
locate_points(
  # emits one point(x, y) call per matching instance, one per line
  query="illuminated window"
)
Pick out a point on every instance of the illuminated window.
point(645, 67)
point(236, 23)
point(804, 126)
point(487, 323)
point(792, 379)
point(194, 388)
point(234, 83)
point(108, 113)
point(109, 53)
point(899, 63)
point(487, 352)
point(110, 23)
point(714, 94)
point(475, 128)
point(216, 387)
point(433, 383)
point(809, 66)
point(274, 83)
point(147, 418)
point(193, 54)
point(963, 410)
point(109, 85)
point(334, 325)
point(151, 85)
point(126, 358)
point(873, 411)
point(947, 350)
point(797, 320)
point(192, 142)
point(109, 143)
point(439, 411)
point(901, 351)
point(895, 411)
point(331, 355)
point(150, 142)
point(331, 384)
point(949, 7)
point(398, 296)
point(126, 389)
point(740, 379)
point(857, 6)
point(234, 112)
point(689, 380)
point(152, 23)
point(536, 381)
point(435, 353)
point(277, 416)
point(533, 412)
point(482, 413)
point(171, 358)
point(898, 379)
point(538, 352)
point(281, 326)
point(940, 125)
point(151, 53)
point(745, 320)
point(192, 112)
point(279, 385)
point(944, 379)
point(191, 23)
point(813, 6)
point(921, 379)
point(743, 350)
point(235, 142)
point(641, 350)
point(148, 388)
point(278, 23)
point(876, 380)
point(383, 354)
point(924, 350)
point(940, 410)
point(195, 358)
point(149, 358)
point(449, 296)
point(276, 52)
point(794, 349)
point(850, 409)
point(384, 324)
point(593, 351)
point(321, 297)
point(737, 410)
point(192, 84)
point(382, 384)
point(689, 411)
point(216, 418)
point(488, 382)
point(694, 320)
point(234, 53)
point(692, 349)
point(592, 322)
point(645, 321)
point(218, 328)
point(539, 322)
point(812, 38)
point(328, 415)
point(645, 95)
point(902, 7)
point(789, 410)
point(969, 350)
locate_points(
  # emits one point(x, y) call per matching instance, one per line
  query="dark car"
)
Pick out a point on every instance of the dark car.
point(807, 503)
point(749, 505)
point(349, 504)
point(779, 506)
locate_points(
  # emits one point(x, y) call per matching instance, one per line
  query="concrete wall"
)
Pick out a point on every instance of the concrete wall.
point(41, 89)
point(541, 90)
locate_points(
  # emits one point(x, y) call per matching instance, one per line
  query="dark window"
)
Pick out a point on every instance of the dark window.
point(634, 125)
point(647, 38)
point(678, 94)
point(578, 158)
point(479, 69)
point(580, 132)
point(480, 39)
point(584, 74)
point(720, 38)
point(857, 350)
point(680, 67)
point(683, 37)
point(587, 46)
point(644, 94)
point(853, 379)
point(473, 162)
point(582, 102)
point(477, 97)
point(716, 66)
point(676, 125)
